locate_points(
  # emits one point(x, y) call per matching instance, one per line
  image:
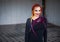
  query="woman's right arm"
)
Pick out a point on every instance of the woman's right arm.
point(27, 31)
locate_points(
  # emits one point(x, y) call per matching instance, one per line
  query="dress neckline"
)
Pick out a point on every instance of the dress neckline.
point(36, 18)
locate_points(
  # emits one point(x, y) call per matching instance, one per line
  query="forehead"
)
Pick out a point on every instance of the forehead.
point(37, 8)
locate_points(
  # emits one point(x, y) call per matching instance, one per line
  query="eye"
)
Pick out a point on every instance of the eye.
point(35, 10)
point(39, 10)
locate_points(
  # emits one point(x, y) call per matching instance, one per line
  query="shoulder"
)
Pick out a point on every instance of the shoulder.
point(28, 20)
point(44, 18)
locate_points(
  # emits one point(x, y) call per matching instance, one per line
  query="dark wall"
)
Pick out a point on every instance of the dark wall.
point(53, 11)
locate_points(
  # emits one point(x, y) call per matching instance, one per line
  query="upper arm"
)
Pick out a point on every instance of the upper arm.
point(45, 21)
point(27, 25)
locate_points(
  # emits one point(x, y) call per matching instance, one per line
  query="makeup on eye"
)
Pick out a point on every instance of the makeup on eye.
point(37, 10)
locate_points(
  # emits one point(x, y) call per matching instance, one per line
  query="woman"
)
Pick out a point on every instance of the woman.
point(36, 26)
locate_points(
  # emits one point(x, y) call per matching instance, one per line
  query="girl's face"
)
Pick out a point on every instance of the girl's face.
point(37, 11)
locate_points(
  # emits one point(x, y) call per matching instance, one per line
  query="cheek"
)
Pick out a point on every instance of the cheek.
point(40, 11)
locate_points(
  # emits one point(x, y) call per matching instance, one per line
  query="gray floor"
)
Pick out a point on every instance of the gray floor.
point(15, 33)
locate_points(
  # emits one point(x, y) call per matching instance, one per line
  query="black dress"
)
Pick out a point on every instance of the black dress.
point(40, 30)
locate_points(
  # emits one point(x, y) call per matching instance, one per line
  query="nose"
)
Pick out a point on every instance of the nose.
point(38, 11)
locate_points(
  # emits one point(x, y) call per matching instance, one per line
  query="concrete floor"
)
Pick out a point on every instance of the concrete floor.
point(9, 35)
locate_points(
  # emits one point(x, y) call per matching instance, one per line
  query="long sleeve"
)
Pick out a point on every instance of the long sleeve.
point(45, 30)
point(26, 32)
point(45, 35)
